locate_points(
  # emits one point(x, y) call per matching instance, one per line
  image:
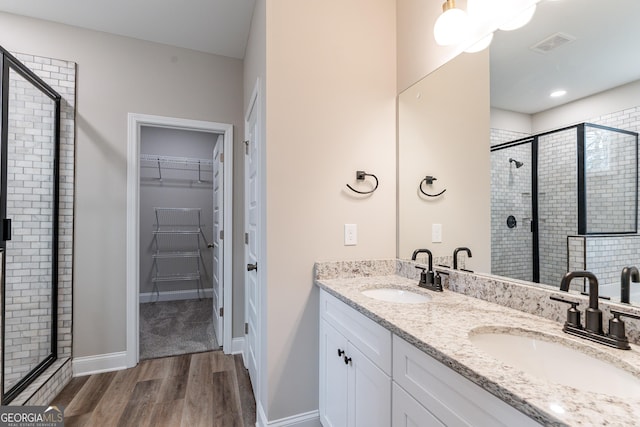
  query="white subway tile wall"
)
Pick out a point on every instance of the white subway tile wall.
point(29, 253)
point(30, 185)
point(557, 201)
point(610, 163)
point(511, 248)
point(608, 255)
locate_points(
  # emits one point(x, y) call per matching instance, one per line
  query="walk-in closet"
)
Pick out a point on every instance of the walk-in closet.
point(177, 245)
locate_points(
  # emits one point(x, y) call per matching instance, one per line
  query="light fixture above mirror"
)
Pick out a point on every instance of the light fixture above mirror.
point(474, 26)
point(450, 27)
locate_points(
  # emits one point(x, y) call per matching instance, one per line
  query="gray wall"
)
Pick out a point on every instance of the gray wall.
point(178, 189)
point(118, 75)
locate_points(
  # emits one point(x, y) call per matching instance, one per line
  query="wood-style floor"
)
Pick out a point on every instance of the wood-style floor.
point(200, 389)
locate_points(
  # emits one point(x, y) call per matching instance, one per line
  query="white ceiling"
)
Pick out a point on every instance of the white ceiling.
point(604, 55)
point(215, 26)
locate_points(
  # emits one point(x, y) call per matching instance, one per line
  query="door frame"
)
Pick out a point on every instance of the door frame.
point(135, 122)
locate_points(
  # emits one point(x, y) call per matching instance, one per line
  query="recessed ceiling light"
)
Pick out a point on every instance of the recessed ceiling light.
point(558, 93)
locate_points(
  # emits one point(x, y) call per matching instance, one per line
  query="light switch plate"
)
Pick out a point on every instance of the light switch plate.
point(436, 233)
point(350, 234)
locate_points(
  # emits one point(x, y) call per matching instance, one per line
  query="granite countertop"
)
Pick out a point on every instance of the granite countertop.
point(441, 328)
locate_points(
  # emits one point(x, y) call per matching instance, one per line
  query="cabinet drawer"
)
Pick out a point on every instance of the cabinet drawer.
point(453, 399)
point(407, 412)
point(373, 340)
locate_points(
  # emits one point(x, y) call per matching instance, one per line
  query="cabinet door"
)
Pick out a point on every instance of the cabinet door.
point(333, 377)
point(369, 392)
point(407, 412)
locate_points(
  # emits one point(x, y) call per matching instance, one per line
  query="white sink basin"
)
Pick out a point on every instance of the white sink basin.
point(396, 295)
point(558, 363)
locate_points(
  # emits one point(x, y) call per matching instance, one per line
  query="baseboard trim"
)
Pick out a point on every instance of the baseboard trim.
point(174, 295)
point(90, 365)
point(237, 345)
point(307, 419)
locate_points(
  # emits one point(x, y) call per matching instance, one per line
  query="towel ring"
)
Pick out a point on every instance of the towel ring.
point(429, 181)
point(360, 176)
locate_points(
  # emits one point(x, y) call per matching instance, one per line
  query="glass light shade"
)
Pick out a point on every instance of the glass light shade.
point(450, 27)
point(482, 44)
point(519, 20)
point(483, 8)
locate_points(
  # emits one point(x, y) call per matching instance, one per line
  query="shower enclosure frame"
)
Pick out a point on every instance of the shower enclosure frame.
point(581, 184)
point(9, 62)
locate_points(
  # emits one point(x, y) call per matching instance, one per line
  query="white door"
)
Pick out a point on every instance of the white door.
point(216, 244)
point(251, 217)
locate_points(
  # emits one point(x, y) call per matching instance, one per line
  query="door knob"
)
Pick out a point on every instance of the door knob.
point(251, 267)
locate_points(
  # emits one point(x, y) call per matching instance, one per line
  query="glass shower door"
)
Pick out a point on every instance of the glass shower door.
point(557, 201)
point(511, 211)
point(29, 210)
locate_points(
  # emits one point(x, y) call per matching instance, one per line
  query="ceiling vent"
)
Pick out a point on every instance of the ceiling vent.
point(552, 42)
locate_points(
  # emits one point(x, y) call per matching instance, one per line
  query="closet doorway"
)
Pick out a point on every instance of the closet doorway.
point(179, 282)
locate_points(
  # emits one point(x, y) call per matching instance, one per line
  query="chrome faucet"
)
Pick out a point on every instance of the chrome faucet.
point(455, 255)
point(628, 274)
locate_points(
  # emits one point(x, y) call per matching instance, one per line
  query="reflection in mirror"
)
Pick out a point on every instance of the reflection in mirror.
point(562, 195)
point(443, 132)
point(592, 59)
point(576, 203)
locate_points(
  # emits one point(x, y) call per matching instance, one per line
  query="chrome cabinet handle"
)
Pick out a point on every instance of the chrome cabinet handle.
point(251, 267)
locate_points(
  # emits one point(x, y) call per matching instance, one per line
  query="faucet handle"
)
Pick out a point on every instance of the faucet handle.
point(617, 327)
point(573, 314)
point(617, 314)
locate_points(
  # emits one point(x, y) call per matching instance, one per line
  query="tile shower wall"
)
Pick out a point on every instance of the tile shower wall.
point(500, 136)
point(576, 253)
point(601, 250)
point(595, 254)
point(557, 201)
point(29, 254)
point(627, 119)
point(511, 248)
point(610, 169)
point(27, 263)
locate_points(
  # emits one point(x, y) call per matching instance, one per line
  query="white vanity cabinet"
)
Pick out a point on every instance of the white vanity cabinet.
point(355, 367)
point(359, 382)
point(427, 393)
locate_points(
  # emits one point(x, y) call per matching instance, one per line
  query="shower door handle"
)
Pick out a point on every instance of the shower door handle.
point(6, 229)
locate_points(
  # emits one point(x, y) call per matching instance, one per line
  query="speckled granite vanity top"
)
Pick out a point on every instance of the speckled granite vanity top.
point(442, 326)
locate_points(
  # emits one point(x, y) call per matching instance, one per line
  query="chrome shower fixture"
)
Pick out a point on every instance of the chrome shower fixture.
point(517, 163)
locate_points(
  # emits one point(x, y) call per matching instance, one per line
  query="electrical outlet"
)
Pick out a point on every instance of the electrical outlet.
point(350, 234)
point(436, 233)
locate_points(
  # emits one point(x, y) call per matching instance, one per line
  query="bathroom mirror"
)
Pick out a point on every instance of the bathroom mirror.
point(582, 46)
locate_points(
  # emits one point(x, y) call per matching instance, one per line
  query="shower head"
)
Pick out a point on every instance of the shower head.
point(518, 164)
